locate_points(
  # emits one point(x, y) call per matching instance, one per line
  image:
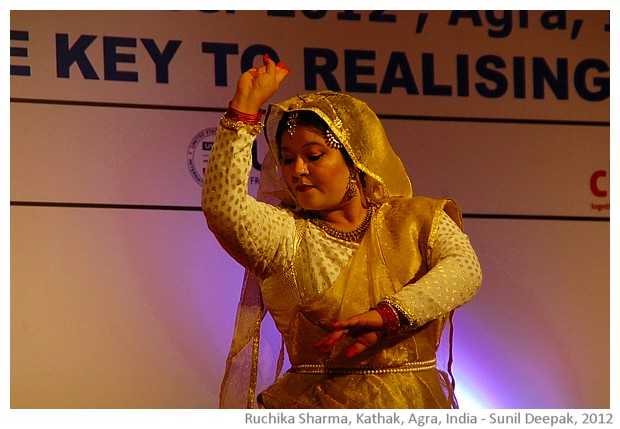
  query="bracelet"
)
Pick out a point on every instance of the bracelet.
point(406, 320)
point(235, 115)
point(238, 125)
point(390, 319)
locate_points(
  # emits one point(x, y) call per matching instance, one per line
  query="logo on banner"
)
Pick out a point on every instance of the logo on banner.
point(599, 186)
point(199, 151)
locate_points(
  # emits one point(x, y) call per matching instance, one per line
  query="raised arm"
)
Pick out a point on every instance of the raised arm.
point(255, 234)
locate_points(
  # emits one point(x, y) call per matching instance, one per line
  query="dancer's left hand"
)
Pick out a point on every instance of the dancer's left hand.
point(366, 328)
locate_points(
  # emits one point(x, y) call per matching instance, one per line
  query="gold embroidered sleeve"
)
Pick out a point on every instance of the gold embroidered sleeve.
point(453, 280)
point(257, 235)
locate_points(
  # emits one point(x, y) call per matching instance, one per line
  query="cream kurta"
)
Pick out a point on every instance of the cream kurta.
point(269, 240)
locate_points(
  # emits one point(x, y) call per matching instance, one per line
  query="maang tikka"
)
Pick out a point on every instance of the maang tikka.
point(291, 124)
point(330, 139)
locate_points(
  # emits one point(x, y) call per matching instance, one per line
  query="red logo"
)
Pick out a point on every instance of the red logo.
point(595, 184)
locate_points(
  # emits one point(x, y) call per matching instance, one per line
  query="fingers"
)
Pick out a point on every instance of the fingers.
point(354, 350)
point(359, 321)
point(346, 323)
point(269, 64)
point(283, 67)
point(364, 328)
point(266, 59)
point(280, 70)
point(328, 343)
point(281, 74)
point(362, 343)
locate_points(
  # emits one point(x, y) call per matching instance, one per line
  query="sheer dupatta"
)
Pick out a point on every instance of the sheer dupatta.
point(239, 383)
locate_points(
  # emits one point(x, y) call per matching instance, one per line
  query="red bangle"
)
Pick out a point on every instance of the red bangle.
point(247, 118)
point(390, 319)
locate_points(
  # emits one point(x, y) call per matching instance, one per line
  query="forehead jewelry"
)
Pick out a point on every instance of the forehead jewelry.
point(291, 124)
point(331, 140)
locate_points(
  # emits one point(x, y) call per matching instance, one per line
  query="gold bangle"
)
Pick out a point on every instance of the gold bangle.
point(225, 122)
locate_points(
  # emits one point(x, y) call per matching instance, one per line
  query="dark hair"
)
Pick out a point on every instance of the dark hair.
point(306, 118)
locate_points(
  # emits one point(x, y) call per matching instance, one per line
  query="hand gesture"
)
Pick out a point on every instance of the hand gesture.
point(366, 328)
point(257, 85)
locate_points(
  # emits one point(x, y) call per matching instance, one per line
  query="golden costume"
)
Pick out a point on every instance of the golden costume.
point(413, 256)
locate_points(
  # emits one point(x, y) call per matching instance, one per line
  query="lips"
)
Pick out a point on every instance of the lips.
point(304, 188)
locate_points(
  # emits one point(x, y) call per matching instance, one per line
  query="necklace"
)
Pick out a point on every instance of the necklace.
point(352, 236)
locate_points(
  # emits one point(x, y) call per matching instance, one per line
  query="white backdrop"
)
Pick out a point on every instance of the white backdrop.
point(122, 298)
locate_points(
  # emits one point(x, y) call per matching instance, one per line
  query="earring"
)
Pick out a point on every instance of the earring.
point(352, 184)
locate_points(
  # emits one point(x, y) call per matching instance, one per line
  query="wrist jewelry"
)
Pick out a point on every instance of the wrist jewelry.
point(247, 118)
point(235, 120)
point(390, 319)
